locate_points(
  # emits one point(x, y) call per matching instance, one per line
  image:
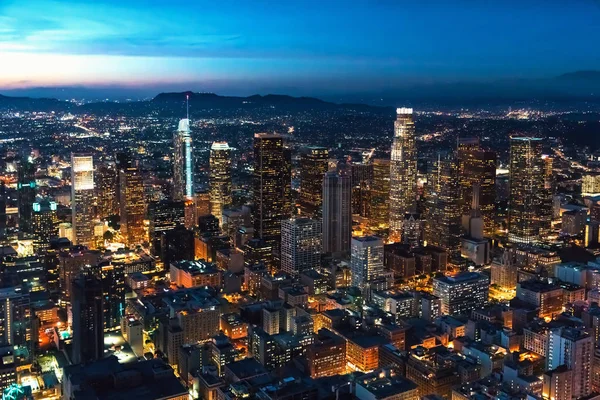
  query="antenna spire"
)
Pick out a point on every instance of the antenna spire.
point(187, 105)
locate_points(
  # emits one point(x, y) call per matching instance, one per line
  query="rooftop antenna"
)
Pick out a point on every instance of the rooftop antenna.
point(187, 105)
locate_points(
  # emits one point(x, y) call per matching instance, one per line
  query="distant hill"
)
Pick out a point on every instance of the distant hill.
point(590, 76)
point(173, 104)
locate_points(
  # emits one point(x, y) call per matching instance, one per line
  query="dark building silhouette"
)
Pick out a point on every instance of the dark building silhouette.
point(177, 245)
point(88, 325)
point(164, 216)
point(26, 194)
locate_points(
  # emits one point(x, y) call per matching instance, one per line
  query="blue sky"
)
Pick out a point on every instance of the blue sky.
point(326, 45)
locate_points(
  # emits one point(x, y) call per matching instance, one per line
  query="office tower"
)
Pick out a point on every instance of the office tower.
point(526, 184)
point(573, 348)
point(176, 244)
point(444, 218)
point(301, 245)
point(362, 178)
point(337, 213)
point(133, 205)
point(366, 260)
point(3, 219)
point(26, 190)
point(478, 166)
point(106, 190)
point(412, 230)
point(44, 223)
point(272, 183)
point(590, 184)
point(327, 355)
point(202, 203)
point(504, 271)
point(82, 198)
point(380, 194)
point(16, 330)
point(314, 163)
point(88, 326)
point(220, 178)
point(473, 245)
point(71, 262)
point(164, 216)
point(403, 171)
point(557, 384)
point(270, 318)
point(462, 293)
point(546, 196)
point(183, 162)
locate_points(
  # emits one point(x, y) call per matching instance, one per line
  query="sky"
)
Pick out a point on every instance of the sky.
point(303, 46)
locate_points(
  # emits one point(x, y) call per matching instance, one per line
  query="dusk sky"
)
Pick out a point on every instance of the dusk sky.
point(327, 45)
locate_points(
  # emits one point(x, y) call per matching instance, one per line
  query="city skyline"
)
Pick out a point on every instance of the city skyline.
point(314, 48)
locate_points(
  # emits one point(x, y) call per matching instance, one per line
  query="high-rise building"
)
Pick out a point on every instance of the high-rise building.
point(183, 162)
point(478, 166)
point(26, 190)
point(106, 190)
point(82, 198)
point(366, 260)
point(164, 216)
point(44, 223)
point(220, 178)
point(301, 245)
point(403, 171)
point(272, 187)
point(327, 355)
point(3, 219)
point(16, 330)
point(504, 272)
point(557, 384)
point(444, 217)
point(314, 162)
point(546, 196)
point(362, 178)
point(527, 182)
point(337, 213)
point(133, 205)
point(88, 326)
point(380, 194)
point(462, 293)
point(573, 348)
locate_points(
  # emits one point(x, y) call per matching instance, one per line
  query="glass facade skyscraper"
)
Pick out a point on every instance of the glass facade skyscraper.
point(220, 178)
point(82, 198)
point(183, 162)
point(403, 171)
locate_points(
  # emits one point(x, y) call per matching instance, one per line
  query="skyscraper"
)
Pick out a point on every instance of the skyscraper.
point(462, 293)
point(26, 190)
point(403, 171)
point(220, 178)
point(164, 216)
point(88, 326)
point(444, 217)
point(16, 330)
point(301, 245)
point(271, 182)
point(478, 166)
point(527, 180)
point(82, 198)
point(366, 260)
point(362, 178)
point(573, 348)
point(313, 165)
point(44, 223)
point(183, 162)
point(106, 190)
point(380, 194)
point(133, 205)
point(3, 218)
point(337, 213)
